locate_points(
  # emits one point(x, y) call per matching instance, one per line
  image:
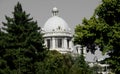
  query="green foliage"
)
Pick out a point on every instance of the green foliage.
point(102, 30)
point(57, 63)
point(96, 68)
point(80, 66)
point(109, 10)
point(22, 31)
point(54, 63)
point(22, 50)
point(21, 44)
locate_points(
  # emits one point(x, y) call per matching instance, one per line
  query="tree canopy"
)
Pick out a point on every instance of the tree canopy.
point(21, 43)
point(102, 30)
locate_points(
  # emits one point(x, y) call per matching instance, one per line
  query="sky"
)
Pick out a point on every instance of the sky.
point(72, 11)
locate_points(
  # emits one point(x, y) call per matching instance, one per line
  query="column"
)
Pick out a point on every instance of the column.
point(84, 51)
point(65, 43)
point(62, 42)
point(45, 42)
point(70, 44)
point(53, 40)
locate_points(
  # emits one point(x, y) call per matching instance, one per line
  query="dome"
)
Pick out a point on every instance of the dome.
point(56, 23)
point(57, 34)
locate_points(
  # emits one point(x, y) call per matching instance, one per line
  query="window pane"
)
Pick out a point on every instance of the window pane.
point(68, 43)
point(48, 43)
point(59, 43)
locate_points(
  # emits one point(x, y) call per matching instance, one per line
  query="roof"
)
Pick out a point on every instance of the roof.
point(56, 23)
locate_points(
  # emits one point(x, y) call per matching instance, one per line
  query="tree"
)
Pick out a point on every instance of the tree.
point(103, 30)
point(2, 34)
point(23, 42)
point(80, 66)
point(55, 63)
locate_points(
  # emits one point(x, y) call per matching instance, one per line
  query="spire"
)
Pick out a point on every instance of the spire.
point(55, 11)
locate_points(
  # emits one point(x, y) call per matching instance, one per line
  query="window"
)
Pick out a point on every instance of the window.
point(68, 43)
point(48, 43)
point(58, 43)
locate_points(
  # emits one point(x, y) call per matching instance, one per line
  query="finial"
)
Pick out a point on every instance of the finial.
point(55, 11)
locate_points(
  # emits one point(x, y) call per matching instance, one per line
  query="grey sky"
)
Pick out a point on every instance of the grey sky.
point(72, 11)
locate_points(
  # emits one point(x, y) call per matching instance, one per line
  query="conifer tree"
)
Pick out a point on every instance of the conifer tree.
point(24, 42)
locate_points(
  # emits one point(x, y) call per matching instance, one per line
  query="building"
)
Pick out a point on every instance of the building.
point(58, 36)
point(57, 33)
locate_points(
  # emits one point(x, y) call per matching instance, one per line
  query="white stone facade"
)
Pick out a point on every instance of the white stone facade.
point(57, 34)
